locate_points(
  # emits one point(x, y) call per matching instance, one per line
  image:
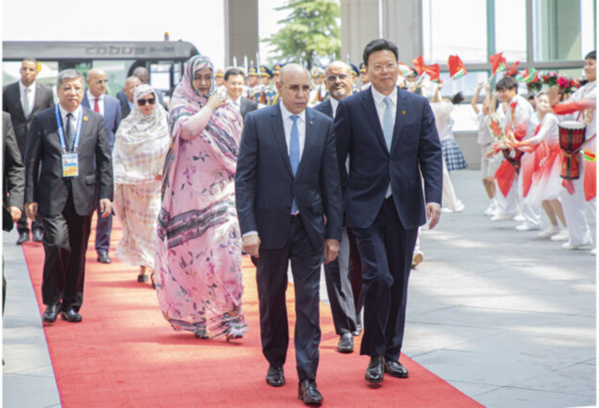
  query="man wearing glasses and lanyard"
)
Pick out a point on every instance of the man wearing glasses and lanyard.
point(64, 142)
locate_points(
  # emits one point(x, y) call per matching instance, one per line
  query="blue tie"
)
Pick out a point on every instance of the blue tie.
point(388, 131)
point(294, 153)
point(388, 122)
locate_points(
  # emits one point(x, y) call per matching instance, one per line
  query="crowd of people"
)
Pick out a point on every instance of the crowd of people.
point(314, 171)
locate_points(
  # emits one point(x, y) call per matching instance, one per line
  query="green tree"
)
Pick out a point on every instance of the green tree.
point(310, 32)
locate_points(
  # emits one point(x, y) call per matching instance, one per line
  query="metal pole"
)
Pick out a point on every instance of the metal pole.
point(380, 18)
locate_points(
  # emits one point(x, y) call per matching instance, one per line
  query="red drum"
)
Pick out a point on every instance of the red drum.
point(571, 139)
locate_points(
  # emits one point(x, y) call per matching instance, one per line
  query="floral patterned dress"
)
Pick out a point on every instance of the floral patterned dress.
point(198, 256)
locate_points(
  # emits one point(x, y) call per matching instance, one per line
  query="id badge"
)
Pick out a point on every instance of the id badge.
point(70, 165)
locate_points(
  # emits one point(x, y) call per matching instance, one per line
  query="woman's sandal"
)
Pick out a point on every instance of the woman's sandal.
point(142, 277)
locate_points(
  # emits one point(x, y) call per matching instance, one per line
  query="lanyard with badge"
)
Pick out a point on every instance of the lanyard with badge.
point(70, 162)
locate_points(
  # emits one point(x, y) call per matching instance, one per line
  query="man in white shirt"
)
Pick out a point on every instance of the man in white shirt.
point(110, 108)
point(22, 100)
point(343, 290)
point(234, 82)
point(287, 182)
point(129, 88)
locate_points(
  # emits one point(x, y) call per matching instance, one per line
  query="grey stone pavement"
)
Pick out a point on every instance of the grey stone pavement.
point(503, 316)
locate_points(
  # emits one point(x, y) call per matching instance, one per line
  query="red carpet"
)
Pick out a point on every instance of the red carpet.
point(124, 354)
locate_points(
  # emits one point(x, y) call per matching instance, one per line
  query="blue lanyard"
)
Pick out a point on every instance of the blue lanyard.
point(63, 144)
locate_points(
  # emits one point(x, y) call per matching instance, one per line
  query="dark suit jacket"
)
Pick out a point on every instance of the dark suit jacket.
point(11, 103)
point(112, 115)
point(265, 186)
point(325, 107)
point(125, 110)
point(246, 106)
point(43, 150)
point(415, 148)
point(13, 173)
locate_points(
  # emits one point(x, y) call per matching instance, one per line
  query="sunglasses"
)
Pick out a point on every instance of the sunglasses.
point(142, 102)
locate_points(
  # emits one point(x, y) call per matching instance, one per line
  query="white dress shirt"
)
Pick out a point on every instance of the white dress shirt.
point(334, 105)
point(30, 96)
point(92, 102)
point(301, 127)
point(381, 106)
point(236, 103)
point(63, 116)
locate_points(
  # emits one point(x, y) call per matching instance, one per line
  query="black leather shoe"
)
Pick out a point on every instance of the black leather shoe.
point(51, 313)
point(308, 393)
point(23, 237)
point(358, 330)
point(70, 315)
point(346, 343)
point(395, 369)
point(37, 235)
point(275, 376)
point(104, 258)
point(376, 370)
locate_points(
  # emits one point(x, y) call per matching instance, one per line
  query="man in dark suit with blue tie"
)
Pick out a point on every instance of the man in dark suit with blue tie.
point(69, 150)
point(391, 139)
point(339, 82)
point(287, 182)
point(110, 108)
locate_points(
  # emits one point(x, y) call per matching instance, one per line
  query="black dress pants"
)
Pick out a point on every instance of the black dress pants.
point(65, 243)
point(386, 249)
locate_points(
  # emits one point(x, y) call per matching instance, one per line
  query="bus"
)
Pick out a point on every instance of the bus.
point(164, 60)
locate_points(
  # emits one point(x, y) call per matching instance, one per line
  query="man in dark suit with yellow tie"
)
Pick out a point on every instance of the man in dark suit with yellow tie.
point(390, 137)
point(69, 145)
point(287, 182)
point(22, 100)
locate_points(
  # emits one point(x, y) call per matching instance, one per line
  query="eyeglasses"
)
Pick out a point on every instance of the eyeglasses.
point(206, 78)
point(142, 102)
point(389, 67)
point(102, 81)
point(298, 88)
point(333, 78)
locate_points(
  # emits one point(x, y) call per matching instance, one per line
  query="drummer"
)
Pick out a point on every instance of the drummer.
point(581, 107)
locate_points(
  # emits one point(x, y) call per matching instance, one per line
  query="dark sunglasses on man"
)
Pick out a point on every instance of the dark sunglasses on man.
point(142, 102)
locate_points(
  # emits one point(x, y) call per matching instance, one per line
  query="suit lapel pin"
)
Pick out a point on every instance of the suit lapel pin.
point(403, 112)
point(85, 118)
point(311, 123)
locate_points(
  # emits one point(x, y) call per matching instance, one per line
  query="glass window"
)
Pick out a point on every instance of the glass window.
point(448, 29)
point(510, 29)
point(564, 30)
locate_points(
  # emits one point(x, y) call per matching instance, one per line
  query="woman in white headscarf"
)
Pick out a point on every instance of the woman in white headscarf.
point(142, 142)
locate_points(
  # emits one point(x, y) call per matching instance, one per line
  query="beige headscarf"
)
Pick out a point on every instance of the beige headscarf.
point(141, 143)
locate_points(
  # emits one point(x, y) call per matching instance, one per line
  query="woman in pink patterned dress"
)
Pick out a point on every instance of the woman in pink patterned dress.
point(142, 141)
point(198, 255)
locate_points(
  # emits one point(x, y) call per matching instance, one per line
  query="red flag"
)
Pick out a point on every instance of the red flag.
point(433, 71)
point(457, 69)
point(418, 64)
point(498, 62)
point(512, 71)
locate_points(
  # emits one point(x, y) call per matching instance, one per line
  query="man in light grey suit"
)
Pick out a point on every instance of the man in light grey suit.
point(339, 82)
point(234, 82)
point(22, 100)
point(110, 108)
point(287, 182)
